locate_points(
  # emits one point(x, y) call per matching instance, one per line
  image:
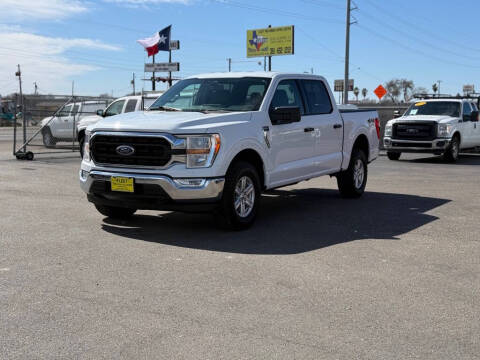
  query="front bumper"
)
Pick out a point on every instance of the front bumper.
point(154, 192)
point(427, 146)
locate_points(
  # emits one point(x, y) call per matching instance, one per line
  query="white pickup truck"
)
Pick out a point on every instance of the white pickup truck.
point(437, 125)
point(62, 127)
point(214, 142)
point(121, 105)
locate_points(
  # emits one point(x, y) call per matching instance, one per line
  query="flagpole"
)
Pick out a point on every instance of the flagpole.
point(153, 74)
point(169, 61)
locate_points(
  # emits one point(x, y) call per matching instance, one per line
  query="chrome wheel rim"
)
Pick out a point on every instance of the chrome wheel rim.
point(358, 173)
point(244, 198)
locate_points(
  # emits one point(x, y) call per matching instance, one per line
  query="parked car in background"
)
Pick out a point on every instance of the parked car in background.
point(215, 142)
point(62, 127)
point(121, 105)
point(441, 126)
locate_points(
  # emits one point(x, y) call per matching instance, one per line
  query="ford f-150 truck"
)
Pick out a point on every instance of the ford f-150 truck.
point(441, 126)
point(215, 142)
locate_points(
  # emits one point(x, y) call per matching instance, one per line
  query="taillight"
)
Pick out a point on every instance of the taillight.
point(377, 126)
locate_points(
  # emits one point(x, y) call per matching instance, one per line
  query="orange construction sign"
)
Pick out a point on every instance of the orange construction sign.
point(380, 91)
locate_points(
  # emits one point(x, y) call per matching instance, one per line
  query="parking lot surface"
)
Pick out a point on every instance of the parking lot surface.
point(393, 275)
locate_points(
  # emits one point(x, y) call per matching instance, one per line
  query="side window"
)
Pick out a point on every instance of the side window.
point(115, 108)
point(131, 105)
point(75, 110)
point(65, 111)
point(467, 111)
point(287, 94)
point(317, 97)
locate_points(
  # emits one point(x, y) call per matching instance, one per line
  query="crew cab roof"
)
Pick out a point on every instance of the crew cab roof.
point(261, 74)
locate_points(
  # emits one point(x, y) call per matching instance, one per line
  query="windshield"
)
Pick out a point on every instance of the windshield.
point(447, 108)
point(221, 94)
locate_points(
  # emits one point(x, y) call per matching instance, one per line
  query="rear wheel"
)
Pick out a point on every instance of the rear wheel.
point(48, 139)
point(352, 181)
point(115, 212)
point(393, 155)
point(451, 155)
point(241, 196)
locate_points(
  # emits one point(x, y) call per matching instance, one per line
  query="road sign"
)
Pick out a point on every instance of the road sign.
point(162, 67)
point(338, 85)
point(380, 91)
point(175, 45)
point(468, 89)
point(270, 41)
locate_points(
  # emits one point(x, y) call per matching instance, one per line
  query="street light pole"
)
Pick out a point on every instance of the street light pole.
point(347, 53)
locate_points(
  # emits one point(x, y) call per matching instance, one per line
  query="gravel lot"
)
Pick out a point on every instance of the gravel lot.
point(393, 275)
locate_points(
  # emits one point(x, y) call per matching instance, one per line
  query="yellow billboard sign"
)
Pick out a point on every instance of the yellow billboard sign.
point(270, 41)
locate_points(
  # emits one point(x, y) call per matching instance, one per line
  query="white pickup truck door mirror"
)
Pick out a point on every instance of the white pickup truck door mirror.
point(285, 115)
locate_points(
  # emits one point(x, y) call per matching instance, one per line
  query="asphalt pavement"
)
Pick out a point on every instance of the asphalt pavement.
point(393, 275)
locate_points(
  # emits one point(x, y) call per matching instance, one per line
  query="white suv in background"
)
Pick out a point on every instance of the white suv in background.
point(62, 127)
point(119, 106)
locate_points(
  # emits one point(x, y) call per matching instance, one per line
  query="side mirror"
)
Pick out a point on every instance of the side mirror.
point(474, 116)
point(285, 115)
point(396, 114)
point(100, 112)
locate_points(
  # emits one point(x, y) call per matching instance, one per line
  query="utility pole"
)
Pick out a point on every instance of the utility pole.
point(269, 58)
point(347, 53)
point(169, 73)
point(36, 88)
point(264, 63)
point(229, 60)
point(73, 84)
point(133, 82)
point(439, 81)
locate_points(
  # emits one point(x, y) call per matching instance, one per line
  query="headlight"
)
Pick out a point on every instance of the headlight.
point(202, 150)
point(444, 129)
point(388, 129)
point(86, 147)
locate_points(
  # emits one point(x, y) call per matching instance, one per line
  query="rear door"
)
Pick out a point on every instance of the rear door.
point(327, 123)
point(293, 144)
point(59, 125)
point(476, 129)
point(467, 127)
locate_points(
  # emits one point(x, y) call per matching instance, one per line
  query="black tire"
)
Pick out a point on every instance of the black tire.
point(451, 155)
point(81, 143)
point(240, 174)
point(351, 183)
point(29, 155)
point(48, 140)
point(115, 212)
point(393, 155)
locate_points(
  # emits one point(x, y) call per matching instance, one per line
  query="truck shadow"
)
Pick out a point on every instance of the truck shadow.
point(463, 159)
point(290, 222)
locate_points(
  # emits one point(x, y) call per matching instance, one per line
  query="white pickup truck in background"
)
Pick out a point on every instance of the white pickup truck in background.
point(121, 105)
point(214, 142)
point(437, 126)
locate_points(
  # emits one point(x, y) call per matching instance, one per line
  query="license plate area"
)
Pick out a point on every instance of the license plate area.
point(122, 184)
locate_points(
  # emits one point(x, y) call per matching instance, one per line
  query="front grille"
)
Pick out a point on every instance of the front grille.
point(411, 145)
point(414, 131)
point(149, 151)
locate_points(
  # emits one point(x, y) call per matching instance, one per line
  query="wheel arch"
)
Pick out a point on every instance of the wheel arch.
point(361, 142)
point(253, 157)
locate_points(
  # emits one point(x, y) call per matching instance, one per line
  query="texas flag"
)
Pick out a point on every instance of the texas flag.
point(158, 42)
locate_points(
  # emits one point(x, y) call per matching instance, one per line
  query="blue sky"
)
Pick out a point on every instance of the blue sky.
point(93, 42)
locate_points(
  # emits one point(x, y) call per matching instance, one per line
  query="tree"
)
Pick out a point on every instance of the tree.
point(364, 93)
point(420, 90)
point(406, 87)
point(435, 88)
point(356, 92)
point(393, 89)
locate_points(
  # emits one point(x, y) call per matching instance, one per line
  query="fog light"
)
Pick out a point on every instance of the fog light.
point(441, 144)
point(83, 174)
point(190, 182)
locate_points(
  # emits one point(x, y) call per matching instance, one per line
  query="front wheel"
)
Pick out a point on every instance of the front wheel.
point(241, 196)
point(48, 139)
point(115, 212)
point(393, 155)
point(451, 155)
point(352, 181)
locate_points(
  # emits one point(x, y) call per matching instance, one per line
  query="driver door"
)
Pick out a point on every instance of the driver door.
point(59, 125)
point(292, 144)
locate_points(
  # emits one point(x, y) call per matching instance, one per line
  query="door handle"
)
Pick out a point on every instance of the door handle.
point(337, 126)
point(309, 129)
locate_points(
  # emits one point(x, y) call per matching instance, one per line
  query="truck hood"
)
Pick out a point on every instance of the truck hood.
point(170, 121)
point(435, 118)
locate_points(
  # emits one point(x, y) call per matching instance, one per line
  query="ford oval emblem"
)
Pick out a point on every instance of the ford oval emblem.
point(125, 150)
